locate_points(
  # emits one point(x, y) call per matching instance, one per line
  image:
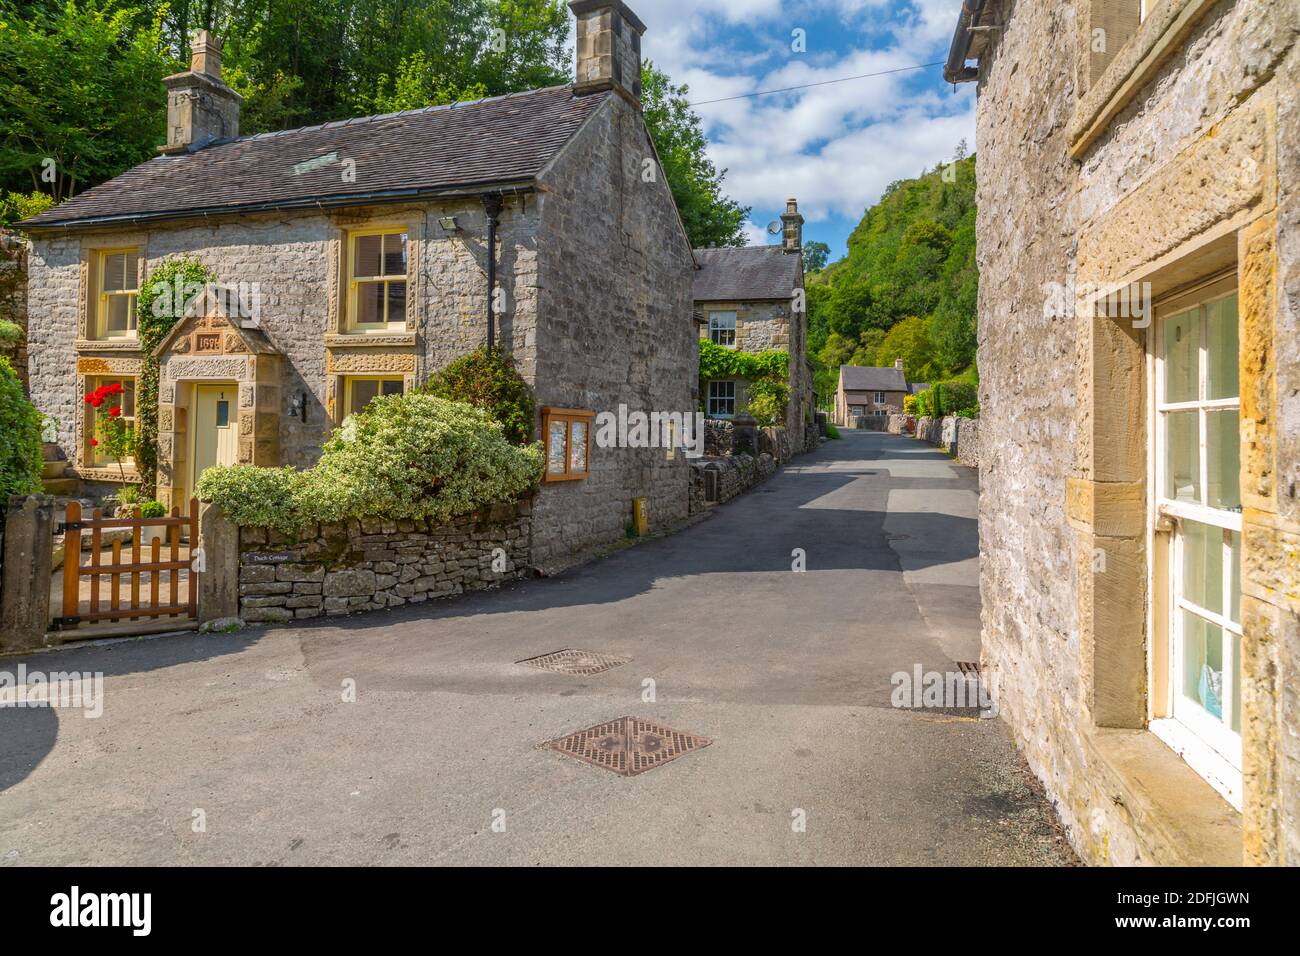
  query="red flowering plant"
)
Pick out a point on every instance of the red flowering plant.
point(113, 434)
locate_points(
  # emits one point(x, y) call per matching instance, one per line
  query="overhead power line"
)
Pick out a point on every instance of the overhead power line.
point(807, 86)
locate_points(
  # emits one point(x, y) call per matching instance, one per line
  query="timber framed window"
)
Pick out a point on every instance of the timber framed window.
point(880, 398)
point(722, 400)
point(117, 273)
point(722, 329)
point(93, 453)
point(377, 279)
point(567, 433)
point(360, 390)
point(1197, 496)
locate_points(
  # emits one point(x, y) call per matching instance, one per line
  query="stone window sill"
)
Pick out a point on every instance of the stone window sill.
point(1182, 819)
point(108, 345)
point(370, 340)
point(1160, 36)
point(108, 473)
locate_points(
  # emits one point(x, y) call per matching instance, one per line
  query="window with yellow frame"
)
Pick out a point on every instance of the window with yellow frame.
point(119, 280)
point(94, 453)
point(567, 433)
point(360, 390)
point(377, 268)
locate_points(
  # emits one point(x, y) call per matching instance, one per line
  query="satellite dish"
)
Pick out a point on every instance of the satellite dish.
point(774, 227)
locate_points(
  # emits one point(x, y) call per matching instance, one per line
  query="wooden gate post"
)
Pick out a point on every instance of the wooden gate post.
point(25, 591)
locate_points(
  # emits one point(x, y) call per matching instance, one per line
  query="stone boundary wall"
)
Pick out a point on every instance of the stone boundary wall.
point(968, 441)
point(901, 425)
point(374, 563)
point(715, 481)
point(960, 437)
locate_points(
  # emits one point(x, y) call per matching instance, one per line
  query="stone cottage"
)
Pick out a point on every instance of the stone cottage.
point(357, 257)
point(752, 299)
point(871, 393)
point(1139, 336)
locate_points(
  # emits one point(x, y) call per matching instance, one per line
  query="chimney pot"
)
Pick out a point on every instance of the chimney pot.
point(205, 53)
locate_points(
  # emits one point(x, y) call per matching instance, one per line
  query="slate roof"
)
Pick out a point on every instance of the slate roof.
point(859, 379)
point(505, 139)
point(748, 273)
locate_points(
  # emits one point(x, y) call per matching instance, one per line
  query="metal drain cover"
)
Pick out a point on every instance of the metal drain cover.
point(575, 662)
point(628, 745)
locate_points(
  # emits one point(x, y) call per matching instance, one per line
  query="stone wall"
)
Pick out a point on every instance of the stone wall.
point(968, 441)
point(616, 327)
point(1180, 162)
point(718, 480)
point(373, 564)
point(13, 297)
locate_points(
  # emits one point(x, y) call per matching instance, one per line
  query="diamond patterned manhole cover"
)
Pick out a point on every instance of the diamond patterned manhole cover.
point(576, 662)
point(628, 745)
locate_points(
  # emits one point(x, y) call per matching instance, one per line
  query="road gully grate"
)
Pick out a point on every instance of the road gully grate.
point(628, 745)
point(576, 662)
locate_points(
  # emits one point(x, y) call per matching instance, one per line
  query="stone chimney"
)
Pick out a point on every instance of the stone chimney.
point(201, 109)
point(609, 48)
point(792, 227)
point(898, 364)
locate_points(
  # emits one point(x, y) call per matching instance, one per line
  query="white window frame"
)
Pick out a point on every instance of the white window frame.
point(1209, 745)
point(715, 328)
point(880, 398)
point(733, 398)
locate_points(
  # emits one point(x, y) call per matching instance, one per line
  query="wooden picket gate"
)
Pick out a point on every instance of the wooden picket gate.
point(129, 566)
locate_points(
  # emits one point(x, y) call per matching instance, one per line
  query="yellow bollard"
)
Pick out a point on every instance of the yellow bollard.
point(641, 516)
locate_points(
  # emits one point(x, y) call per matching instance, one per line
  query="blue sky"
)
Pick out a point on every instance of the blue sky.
point(833, 147)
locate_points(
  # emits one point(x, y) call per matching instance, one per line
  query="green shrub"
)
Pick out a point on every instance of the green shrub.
point(910, 403)
point(832, 432)
point(153, 509)
point(952, 397)
point(767, 402)
point(20, 439)
point(488, 380)
point(415, 456)
point(11, 331)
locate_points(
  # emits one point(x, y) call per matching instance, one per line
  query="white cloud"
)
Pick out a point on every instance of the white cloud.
point(835, 147)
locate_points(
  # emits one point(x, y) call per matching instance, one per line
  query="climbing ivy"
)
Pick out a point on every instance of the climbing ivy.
point(158, 308)
point(766, 372)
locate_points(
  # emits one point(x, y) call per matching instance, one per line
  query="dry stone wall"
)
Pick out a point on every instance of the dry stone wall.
point(373, 564)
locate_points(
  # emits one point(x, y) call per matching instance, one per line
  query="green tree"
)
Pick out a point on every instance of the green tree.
point(910, 341)
point(81, 94)
point(815, 256)
point(711, 218)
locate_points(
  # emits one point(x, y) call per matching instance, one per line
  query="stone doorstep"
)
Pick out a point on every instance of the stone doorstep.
point(1178, 819)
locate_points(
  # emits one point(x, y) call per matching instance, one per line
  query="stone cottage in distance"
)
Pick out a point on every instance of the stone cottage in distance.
point(871, 393)
point(1139, 332)
point(751, 299)
point(370, 243)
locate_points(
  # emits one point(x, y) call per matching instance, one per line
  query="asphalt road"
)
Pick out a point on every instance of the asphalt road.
point(241, 749)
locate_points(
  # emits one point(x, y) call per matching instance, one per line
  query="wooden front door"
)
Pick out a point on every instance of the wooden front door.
point(216, 438)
